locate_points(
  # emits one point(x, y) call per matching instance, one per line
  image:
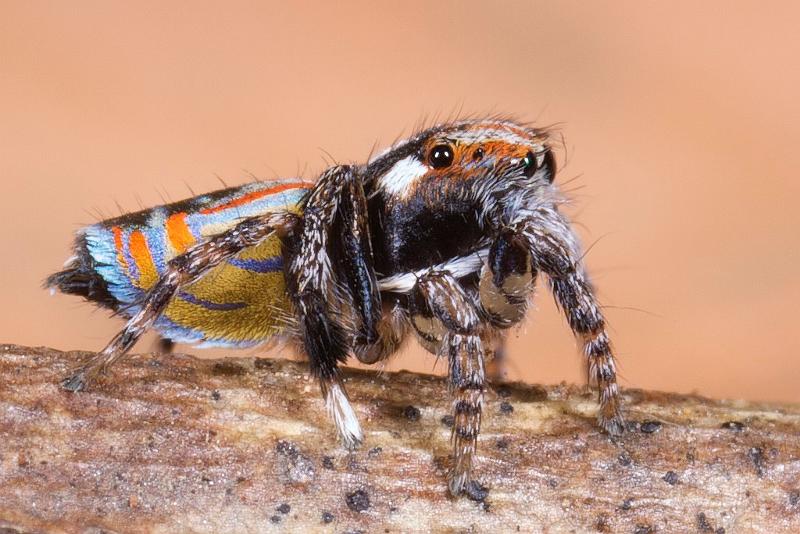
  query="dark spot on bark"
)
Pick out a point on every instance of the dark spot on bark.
point(239, 480)
point(720, 530)
point(485, 506)
point(756, 455)
point(275, 519)
point(375, 451)
point(447, 420)
point(624, 459)
point(476, 491)
point(205, 480)
point(533, 394)
point(215, 395)
point(411, 413)
point(502, 443)
point(228, 369)
point(504, 391)
point(286, 448)
point(650, 427)
point(393, 509)
point(702, 523)
point(294, 467)
point(626, 504)
point(601, 525)
point(327, 517)
point(671, 478)
point(643, 529)
point(284, 508)
point(736, 426)
point(553, 483)
point(327, 462)
point(262, 363)
point(358, 500)
point(690, 457)
point(794, 497)
point(506, 408)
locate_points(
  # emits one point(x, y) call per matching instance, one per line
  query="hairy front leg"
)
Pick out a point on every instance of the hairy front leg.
point(555, 251)
point(180, 271)
point(333, 287)
point(461, 344)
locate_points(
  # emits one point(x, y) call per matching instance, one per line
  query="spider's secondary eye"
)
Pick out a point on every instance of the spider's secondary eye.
point(528, 164)
point(441, 156)
point(478, 154)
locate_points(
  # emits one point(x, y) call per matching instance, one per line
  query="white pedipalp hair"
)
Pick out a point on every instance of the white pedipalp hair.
point(458, 267)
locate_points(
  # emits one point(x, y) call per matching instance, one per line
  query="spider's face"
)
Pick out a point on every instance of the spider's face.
point(493, 164)
point(446, 189)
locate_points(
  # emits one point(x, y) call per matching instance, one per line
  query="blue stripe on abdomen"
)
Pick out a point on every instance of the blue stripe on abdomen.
point(267, 265)
point(209, 305)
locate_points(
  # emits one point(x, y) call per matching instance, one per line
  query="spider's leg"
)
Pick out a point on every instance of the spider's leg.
point(330, 274)
point(165, 345)
point(505, 289)
point(391, 330)
point(353, 256)
point(555, 251)
point(461, 344)
point(180, 271)
point(507, 280)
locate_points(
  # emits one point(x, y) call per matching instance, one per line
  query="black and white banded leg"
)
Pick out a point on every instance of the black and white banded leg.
point(181, 270)
point(334, 233)
point(450, 305)
point(555, 251)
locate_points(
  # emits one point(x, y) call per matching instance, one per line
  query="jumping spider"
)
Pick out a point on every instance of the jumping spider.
point(442, 234)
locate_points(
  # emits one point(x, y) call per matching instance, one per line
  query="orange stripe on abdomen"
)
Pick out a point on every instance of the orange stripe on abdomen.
point(118, 246)
point(178, 233)
point(140, 252)
point(254, 196)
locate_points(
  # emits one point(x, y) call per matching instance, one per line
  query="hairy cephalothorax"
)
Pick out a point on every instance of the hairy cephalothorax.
point(442, 235)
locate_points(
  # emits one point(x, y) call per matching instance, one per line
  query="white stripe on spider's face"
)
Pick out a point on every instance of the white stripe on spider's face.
point(399, 179)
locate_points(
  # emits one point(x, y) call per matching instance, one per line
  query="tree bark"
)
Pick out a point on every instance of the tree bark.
point(179, 444)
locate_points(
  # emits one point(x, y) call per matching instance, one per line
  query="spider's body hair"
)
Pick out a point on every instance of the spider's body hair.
point(443, 234)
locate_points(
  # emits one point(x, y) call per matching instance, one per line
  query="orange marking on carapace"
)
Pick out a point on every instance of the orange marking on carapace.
point(254, 196)
point(140, 252)
point(118, 246)
point(178, 233)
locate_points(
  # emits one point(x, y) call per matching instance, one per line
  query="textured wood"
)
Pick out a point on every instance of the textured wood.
point(177, 444)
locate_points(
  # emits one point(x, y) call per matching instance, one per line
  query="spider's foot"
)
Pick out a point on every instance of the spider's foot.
point(461, 483)
point(614, 424)
point(76, 382)
point(344, 417)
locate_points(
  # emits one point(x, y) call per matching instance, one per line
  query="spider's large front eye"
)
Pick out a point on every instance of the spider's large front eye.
point(529, 164)
point(441, 156)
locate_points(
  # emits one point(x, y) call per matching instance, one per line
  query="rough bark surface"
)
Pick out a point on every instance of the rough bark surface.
point(178, 444)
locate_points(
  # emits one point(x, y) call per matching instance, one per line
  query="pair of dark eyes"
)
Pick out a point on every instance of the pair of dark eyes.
point(441, 157)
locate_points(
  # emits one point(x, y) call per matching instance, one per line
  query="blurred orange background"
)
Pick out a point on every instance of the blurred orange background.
point(681, 122)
